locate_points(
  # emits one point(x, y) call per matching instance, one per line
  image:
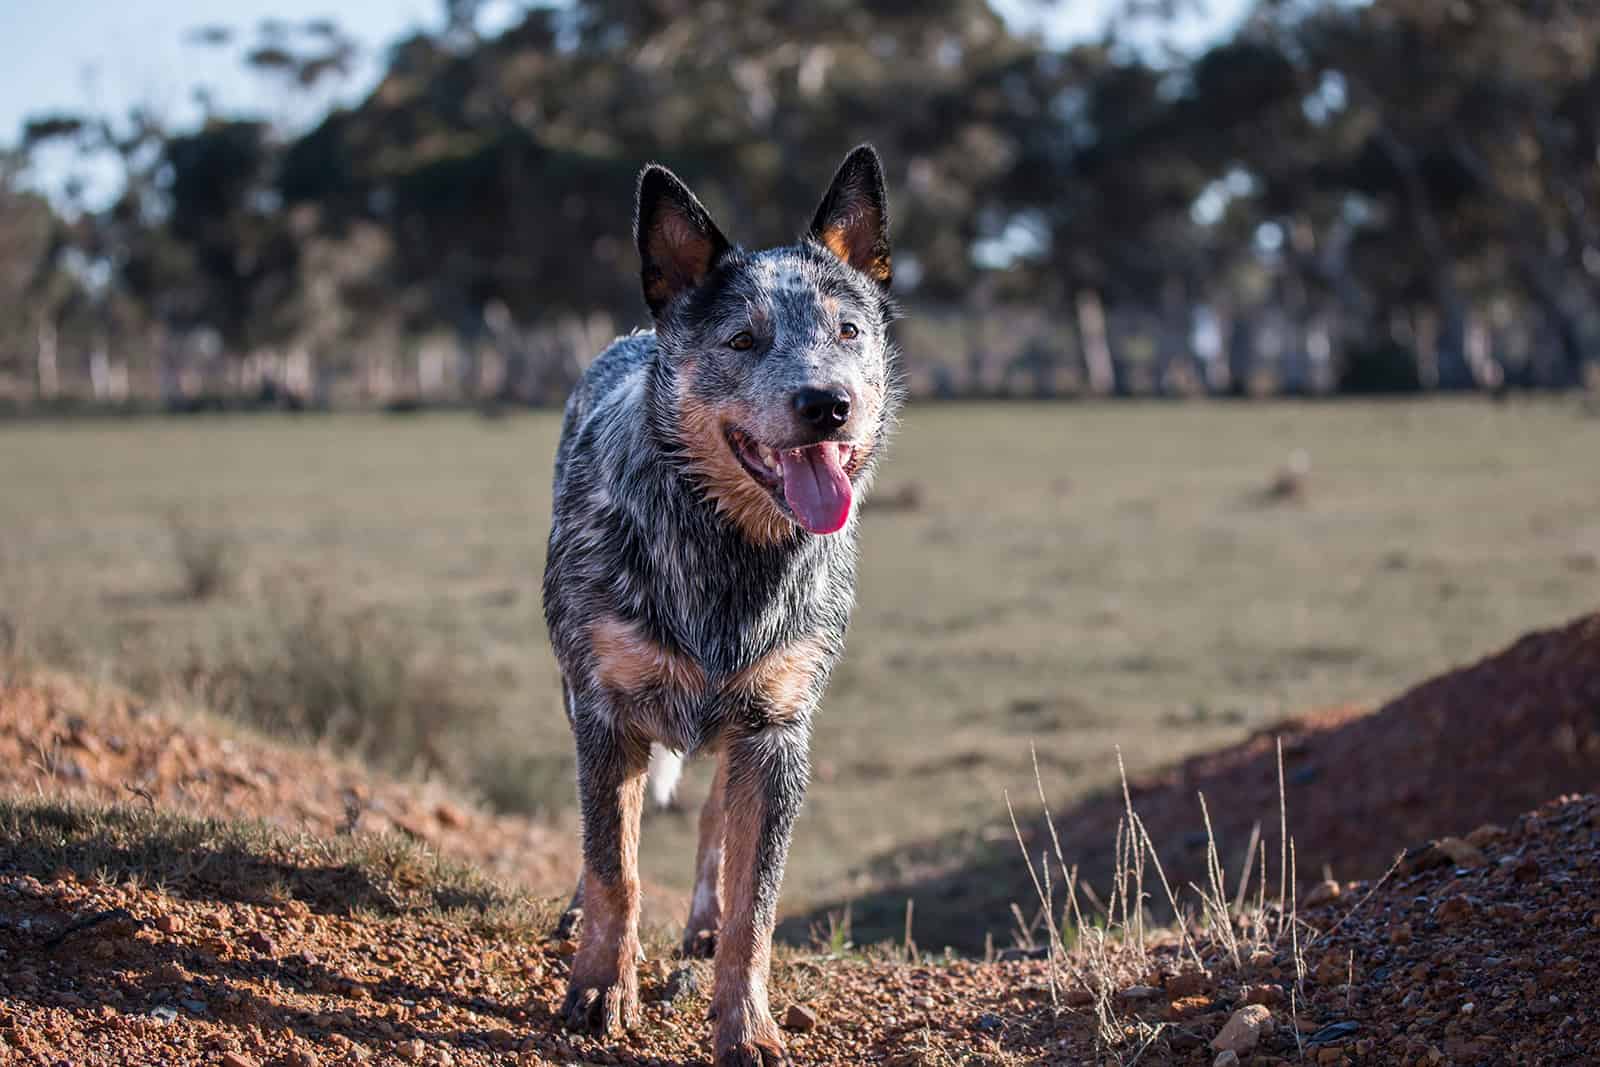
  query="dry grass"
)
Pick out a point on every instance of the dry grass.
point(1115, 948)
point(382, 875)
point(207, 553)
point(1086, 576)
point(353, 681)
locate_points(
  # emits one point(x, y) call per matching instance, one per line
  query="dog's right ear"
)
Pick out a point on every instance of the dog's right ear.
point(678, 243)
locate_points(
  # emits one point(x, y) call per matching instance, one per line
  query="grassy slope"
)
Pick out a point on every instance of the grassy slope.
point(1079, 576)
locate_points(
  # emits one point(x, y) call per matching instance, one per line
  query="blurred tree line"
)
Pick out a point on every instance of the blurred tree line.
point(1394, 195)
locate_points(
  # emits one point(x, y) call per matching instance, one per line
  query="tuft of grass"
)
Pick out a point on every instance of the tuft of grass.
point(251, 861)
point(353, 681)
point(1113, 948)
point(209, 554)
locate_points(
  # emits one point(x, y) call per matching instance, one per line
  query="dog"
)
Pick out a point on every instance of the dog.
point(701, 567)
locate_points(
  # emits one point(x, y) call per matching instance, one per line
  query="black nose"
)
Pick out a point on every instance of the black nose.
point(826, 409)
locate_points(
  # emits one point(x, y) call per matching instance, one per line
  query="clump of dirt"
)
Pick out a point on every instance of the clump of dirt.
point(59, 737)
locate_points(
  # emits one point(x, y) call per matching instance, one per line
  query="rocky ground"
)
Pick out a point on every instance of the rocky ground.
point(172, 928)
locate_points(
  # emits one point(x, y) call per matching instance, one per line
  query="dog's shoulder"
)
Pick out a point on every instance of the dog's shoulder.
point(615, 380)
point(621, 365)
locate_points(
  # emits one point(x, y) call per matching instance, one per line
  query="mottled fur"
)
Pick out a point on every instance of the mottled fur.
point(686, 606)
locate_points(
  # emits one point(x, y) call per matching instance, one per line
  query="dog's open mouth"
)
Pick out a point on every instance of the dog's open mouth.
point(813, 481)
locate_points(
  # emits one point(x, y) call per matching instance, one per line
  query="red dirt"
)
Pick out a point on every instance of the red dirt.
point(1492, 964)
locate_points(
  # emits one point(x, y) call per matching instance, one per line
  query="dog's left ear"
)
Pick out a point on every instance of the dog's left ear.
point(852, 221)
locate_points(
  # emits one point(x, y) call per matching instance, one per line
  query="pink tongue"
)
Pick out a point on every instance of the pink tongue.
point(815, 485)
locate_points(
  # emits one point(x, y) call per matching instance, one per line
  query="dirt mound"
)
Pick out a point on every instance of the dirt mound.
point(1478, 745)
point(61, 738)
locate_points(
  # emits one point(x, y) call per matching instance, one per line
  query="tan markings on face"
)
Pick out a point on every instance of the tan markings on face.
point(626, 661)
point(721, 476)
point(744, 946)
point(782, 679)
point(610, 942)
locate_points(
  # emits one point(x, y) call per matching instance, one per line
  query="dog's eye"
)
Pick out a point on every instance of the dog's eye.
point(742, 341)
point(848, 331)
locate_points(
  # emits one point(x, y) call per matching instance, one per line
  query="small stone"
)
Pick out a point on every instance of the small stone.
point(411, 1051)
point(1333, 1032)
point(1244, 1030)
point(1485, 834)
point(1226, 1058)
point(304, 1057)
point(800, 1019)
point(1455, 909)
point(1526, 871)
point(1322, 893)
point(1188, 984)
point(238, 1059)
point(1138, 993)
point(1268, 995)
point(169, 924)
point(1461, 853)
point(259, 942)
point(1400, 934)
point(567, 947)
point(683, 982)
point(164, 1014)
point(922, 1003)
point(1330, 1055)
point(989, 1022)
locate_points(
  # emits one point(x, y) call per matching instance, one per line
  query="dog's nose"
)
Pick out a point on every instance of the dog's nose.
point(827, 408)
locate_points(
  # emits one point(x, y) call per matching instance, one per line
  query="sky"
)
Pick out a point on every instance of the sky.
point(107, 56)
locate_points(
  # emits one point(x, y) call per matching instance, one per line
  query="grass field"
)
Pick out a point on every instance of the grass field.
point(1080, 577)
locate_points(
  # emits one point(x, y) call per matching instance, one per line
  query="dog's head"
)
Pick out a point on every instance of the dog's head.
point(775, 379)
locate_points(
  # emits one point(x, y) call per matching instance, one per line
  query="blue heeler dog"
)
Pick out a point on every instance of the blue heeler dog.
point(702, 566)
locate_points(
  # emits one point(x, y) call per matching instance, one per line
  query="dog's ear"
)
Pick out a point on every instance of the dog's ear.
point(852, 221)
point(678, 242)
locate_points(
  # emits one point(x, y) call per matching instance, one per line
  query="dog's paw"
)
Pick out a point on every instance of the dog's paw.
point(600, 1008)
point(570, 923)
point(757, 1053)
point(699, 944)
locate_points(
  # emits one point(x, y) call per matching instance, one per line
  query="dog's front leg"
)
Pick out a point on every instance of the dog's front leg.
point(765, 772)
point(603, 991)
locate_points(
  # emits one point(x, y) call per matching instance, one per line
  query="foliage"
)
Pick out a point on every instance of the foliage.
point(1330, 179)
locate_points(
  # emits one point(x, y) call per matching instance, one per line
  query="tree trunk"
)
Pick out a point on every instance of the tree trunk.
point(1099, 367)
point(49, 380)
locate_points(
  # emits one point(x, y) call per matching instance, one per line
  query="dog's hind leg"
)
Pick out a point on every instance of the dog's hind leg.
point(603, 991)
point(765, 770)
point(571, 921)
point(705, 906)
